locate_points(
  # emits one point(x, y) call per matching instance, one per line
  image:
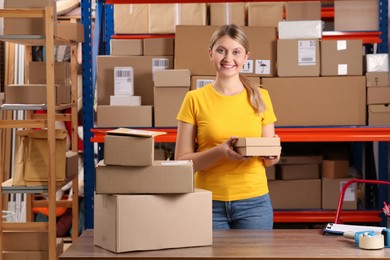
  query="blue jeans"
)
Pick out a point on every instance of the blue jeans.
point(253, 213)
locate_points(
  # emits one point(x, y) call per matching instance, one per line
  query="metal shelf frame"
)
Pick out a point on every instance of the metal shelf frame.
point(104, 31)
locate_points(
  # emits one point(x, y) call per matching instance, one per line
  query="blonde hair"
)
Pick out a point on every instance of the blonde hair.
point(235, 32)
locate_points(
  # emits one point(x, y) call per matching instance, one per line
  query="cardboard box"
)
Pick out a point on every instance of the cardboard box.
point(302, 194)
point(192, 43)
point(144, 66)
point(172, 78)
point(303, 11)
point(377, 79)
point(257, 141)
point(175, 14)
point(377, 62)
point(126, 47)
point(227, 13)
point(331, 189)
point(200, 81)
point(37, 241)
point(159, 178)
point(300, 29)
point(265, 14)
point(341, 57)
point(33, 254)
point(298, 57)
point(131, 18)
point(298, 171)
point(70, 31)
point(167, 103)
point(125, 100)
point(62, 77)
point(31, 94)
point(159, 46)
point(379, 115)
point(148, 222)
point(356, 15)
point(128, 150)
point(335, 168)
point(259, 150)
point(312, 96)
point(300, 159)
point(124, 116)
point(378, 95)
point(27, 26)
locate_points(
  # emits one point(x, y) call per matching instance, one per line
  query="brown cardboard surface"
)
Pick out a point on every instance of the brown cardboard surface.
point(378, 95)
point(70, 31)
point(377, 79)
point(227, 13)
point(159, 178)
point(265, 14)
point(298, 171)
point(312, 98)
point(126, 47)
point(298, 57)
point(335, 168)
point(302, 194)
point(159, 46)
point(356, 15)
point(379, 115)
point(302, 159)
point(167, 103)
point(62, 76)
point(37, 241)
point(124, 116)
point(192, 44)
point(31, 94)
point(341, 57)
point(1, 98)
point(128, 150)
point(331, 192)
point(301, 11)
point(143, 75)
point(257, 141)
point(175, 14)
point(172, 78)
point(147, 222)
point(131, 18)
point(259, 150)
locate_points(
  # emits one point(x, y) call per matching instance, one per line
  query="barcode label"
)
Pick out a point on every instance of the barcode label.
point(203, 82)
point(307, 53)
point(123, 74)
point(161, 63)
point(124, 81)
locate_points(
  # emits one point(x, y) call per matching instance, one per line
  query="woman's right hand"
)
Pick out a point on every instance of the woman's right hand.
point(228, 148)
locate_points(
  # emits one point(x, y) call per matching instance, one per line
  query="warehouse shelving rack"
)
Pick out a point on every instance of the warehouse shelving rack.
point(53, 113)
point(361, 135)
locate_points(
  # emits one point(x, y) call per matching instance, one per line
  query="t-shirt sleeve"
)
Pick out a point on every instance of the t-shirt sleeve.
point(186, 112)
point(268, 115)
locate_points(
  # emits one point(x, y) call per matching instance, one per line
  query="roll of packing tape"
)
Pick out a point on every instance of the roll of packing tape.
point(371, 242)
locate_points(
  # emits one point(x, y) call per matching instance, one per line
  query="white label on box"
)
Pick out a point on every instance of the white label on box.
point(159, 64)
point(341, 45)
point(263, 67)
point(306, 53)
point(247, 67)
point(342, 69)
point(123, 81)
point(203, 82)
point(349, 194)
point(174, 163)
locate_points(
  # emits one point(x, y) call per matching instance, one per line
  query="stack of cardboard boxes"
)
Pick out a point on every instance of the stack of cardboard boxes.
point(145, 204)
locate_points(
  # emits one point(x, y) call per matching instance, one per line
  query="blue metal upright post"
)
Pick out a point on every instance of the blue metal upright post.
point(88, 114)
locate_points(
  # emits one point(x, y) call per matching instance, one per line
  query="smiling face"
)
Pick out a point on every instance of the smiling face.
point(228, 56)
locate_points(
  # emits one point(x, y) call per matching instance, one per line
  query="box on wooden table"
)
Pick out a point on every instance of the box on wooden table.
point(159, 178)
point(148, 222)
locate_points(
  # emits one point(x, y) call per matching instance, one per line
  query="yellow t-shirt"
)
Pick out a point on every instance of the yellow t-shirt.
point(217, 118)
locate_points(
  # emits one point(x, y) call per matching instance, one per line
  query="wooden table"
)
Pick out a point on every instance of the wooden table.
point(241, 244)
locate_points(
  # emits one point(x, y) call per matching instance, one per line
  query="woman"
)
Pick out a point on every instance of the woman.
point(211, 119)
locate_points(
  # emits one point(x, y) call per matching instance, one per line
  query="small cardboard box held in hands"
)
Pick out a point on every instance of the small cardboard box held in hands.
point(258, 146)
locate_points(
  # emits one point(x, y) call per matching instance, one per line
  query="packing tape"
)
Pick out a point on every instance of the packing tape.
point(371, 242)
